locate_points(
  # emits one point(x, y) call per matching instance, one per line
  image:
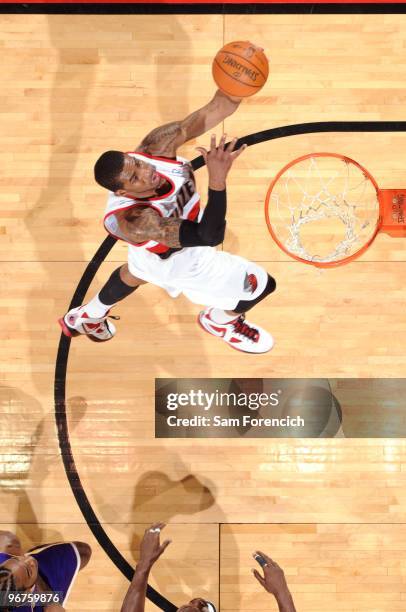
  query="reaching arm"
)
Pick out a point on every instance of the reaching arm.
point(166, 139)
point(286, 603)
point(150, 551)
point(134, 600)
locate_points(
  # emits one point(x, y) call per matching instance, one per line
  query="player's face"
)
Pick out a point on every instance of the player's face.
point(10, 544)
point(139, 178)
point(194, 605)
point(24, 569)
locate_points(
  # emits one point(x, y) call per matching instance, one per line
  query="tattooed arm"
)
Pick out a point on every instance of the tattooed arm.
point(165, 140)
point(147, 224)
point(144, 223)
point(141, 223)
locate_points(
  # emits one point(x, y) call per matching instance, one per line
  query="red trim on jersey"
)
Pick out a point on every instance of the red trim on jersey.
point(159, 248)
point(192, 215)
point(164, 159)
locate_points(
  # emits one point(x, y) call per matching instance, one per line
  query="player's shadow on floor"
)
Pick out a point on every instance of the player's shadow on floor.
point(55, 222)
point(174, 496)
point(28, 457)
point(169, 499)
point(156, 494)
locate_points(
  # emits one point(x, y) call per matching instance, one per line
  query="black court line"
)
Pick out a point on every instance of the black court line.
point(314, 128)
point(317, 8)
point(64, 343)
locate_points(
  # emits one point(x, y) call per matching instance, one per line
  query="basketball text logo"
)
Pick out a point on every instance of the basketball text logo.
point(252, 74)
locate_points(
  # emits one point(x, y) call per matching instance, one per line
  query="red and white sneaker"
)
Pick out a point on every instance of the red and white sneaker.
point(77, 322)
point(239, 333)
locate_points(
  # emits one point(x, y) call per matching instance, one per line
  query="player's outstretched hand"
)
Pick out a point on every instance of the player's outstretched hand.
point(219, 160)
point(151, 548)
point(274, 581)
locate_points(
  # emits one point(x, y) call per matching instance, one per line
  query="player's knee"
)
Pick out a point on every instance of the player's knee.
point(270, 285)
point(245, 305)
point(128, 278)
point(269, 288)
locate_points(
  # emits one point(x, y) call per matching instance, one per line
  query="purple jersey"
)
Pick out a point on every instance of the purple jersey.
point(58, 565)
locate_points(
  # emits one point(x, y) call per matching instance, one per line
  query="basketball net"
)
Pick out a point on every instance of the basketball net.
point(323, 208)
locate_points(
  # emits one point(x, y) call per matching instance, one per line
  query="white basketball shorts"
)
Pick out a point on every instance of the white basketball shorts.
point(203, 274)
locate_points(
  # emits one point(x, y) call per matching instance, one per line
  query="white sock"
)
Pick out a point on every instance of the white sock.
point(220, 316)
point(96, 309)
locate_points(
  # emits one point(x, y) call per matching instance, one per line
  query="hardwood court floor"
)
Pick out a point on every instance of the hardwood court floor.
point(74, 86)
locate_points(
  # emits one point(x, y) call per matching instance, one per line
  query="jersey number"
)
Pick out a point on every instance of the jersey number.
point(185, 192)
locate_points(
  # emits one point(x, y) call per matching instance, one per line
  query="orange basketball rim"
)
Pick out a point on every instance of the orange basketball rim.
point(325, 209)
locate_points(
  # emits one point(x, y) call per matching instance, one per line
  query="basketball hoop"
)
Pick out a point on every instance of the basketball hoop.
point(325, 209)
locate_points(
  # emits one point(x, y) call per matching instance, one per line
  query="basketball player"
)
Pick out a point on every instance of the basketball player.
point(150, 551)
point(154, 207)
point(47, 568)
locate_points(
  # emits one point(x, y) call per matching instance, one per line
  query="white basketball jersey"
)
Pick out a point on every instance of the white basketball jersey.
point(181, 201)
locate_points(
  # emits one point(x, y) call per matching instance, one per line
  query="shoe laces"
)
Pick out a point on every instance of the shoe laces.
point(97, 325)
point(242, 328)
point(115, 318)
point(98, 320)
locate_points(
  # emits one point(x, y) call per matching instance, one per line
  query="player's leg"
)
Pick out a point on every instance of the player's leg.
point(230, 286)
point(244, 306)
point(91, 319)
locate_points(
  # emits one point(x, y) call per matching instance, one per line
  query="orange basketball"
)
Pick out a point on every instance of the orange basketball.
point(240, 69)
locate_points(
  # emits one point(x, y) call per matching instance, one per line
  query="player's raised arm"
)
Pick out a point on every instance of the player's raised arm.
point(166, 139)
point(250, 60)
point(150, 551)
